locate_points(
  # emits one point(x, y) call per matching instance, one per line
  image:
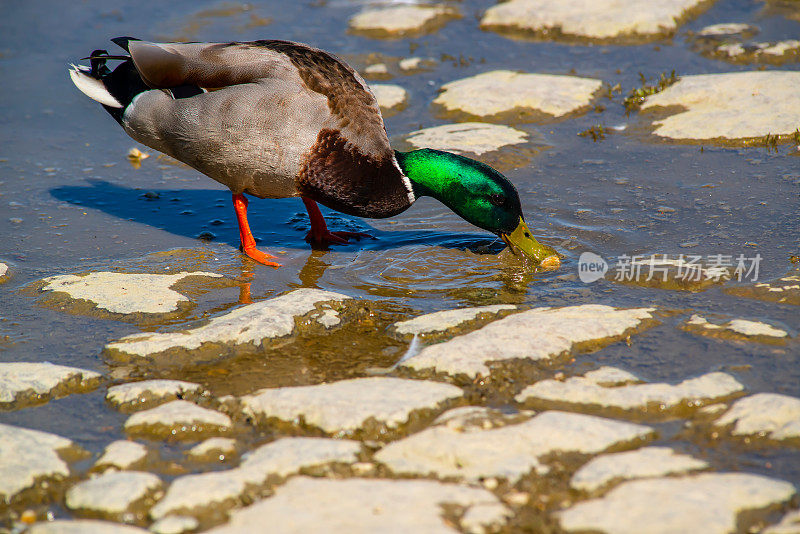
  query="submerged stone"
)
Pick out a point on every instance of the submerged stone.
point(682, 273)
point(83, 526)
point(729, 28)
point(194, 495)
point(508, 452)
point(114, 495)
point(391, 98)
point(402, 20)
point(441, 321)
point(348, 405)
point(467, 137)
point(254, 325)
point(125, 293)
point(213, 449)
point(728, 107)
point(712, 501)
point(30, 460)
point(537, 334)
point(582, 393)
point(789, 524)
point(26, 383)
point(121, 454)
point(178, 419)
point(646, 462)
point(499, 92)
point(740, 329)
point(618, 21)
point(149, 393)
point(784, 290)
point(771, 415)
point(367, 505)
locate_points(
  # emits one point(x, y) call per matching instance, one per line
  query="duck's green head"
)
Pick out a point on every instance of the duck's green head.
point(476, 192)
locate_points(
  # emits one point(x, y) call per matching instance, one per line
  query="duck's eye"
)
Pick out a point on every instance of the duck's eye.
point(497, 199)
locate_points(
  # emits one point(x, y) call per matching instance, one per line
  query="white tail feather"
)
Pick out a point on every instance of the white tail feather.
point(92, 87)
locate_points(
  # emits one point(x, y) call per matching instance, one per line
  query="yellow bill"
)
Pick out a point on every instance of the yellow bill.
point(521, 240)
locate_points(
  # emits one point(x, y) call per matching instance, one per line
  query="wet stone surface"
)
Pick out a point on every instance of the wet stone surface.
point(26, 383)
point(507, 452)
point(582, 393)
point(84, 526)
point(467, 137)
point(647, 462)
point(124, 293)
point(121, 454)
point(538, 334)
point(5, 273)
point(178, 419)
point(618, 21)
point(740, 329)
point(213, 449)
point(784, 290)
point(210, 494)
point(135, 396)
point(769, 415)
point(252, 325)
point(677, 273)
point(402, 20)
point(442, 321)
point(115, 495)
point(391, 98)
point(369, 506)
point(174, 524)
point(347, 406)
point(728, 107)
point(734, 42)
point(504, 93)
point(713, 500)
point(30, 460)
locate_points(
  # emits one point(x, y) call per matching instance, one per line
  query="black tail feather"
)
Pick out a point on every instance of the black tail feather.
point(122, 42)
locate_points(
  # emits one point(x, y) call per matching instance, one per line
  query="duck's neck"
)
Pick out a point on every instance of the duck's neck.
point(432, 173)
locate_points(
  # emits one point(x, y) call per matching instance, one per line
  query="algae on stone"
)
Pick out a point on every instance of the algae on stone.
point(145, 394)
point(740, 329)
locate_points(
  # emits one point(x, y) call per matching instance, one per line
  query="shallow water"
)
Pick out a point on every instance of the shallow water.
point(71, 202)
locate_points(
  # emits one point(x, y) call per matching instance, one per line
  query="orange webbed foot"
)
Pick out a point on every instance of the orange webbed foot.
point(261, 257)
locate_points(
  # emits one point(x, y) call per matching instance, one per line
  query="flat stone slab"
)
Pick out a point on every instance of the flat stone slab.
point(368, 505)
point(221, 490)
point(769, 415)
point(391, 98)
point(121, 454)
point(5, 273)
point(508, 452)
point(125, 293)
point(114, 495)
point(647, 462)
point(178, 419)
point(402, 20)
point(662, 505)
point(83, 526)
point(26, 383)
point(348, 405)
point(617, 21)
point(580, 393)
point(467, 137)
point(784, 290)
point(30, 459)
point(150, 393)
point(213, 449)
point(537, 334)
point(729, 107)
point(504, 93)
point(254, 324)
point(442, 321)
point(740, 329)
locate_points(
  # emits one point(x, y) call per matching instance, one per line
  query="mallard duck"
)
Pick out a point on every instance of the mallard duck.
point(276, 119)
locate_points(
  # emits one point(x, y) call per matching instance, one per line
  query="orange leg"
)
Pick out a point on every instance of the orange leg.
point(246, 237)
point(319, 233)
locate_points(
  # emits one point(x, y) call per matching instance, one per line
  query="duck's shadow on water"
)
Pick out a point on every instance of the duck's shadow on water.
point(208, 214)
